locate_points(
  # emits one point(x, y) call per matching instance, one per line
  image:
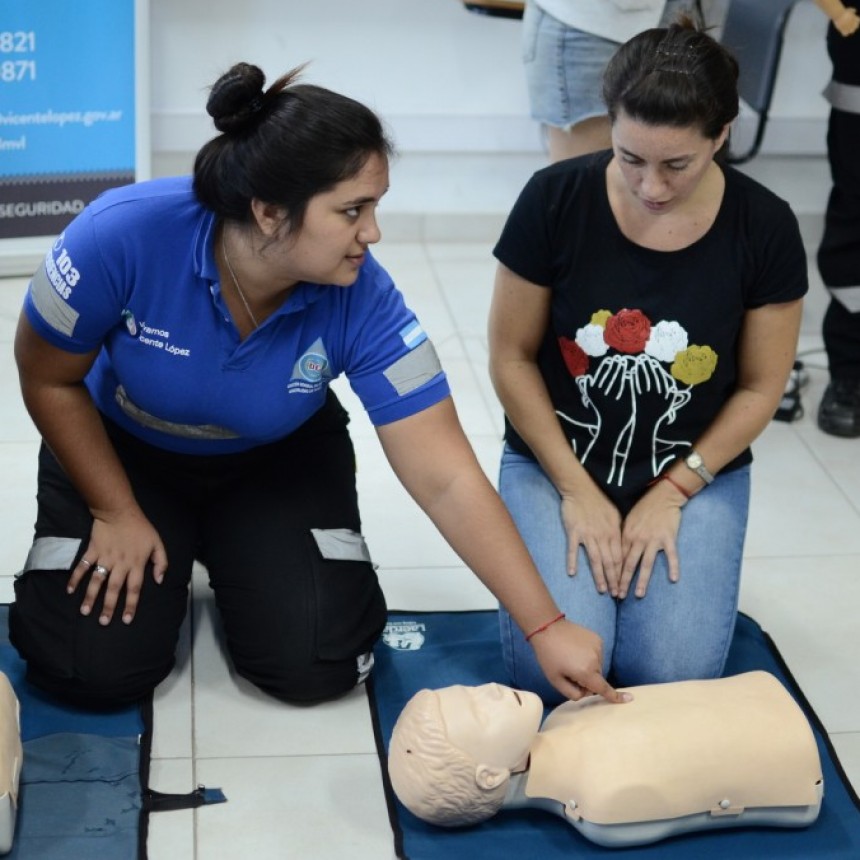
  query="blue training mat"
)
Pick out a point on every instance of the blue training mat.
point(81, 789)
point(436, 649)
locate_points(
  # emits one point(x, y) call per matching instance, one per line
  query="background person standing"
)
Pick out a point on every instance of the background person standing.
point(839, 252)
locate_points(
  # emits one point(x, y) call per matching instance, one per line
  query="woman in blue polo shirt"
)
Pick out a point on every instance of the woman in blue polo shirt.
point(175, 351)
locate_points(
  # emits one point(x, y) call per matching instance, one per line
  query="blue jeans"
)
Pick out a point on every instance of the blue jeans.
point(677, 631)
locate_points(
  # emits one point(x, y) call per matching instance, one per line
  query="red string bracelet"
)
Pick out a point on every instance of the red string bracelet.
point(544, 626)
point(666, 477)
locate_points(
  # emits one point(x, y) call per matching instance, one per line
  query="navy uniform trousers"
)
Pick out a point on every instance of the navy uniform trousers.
point(278, 530)
point(839, 252)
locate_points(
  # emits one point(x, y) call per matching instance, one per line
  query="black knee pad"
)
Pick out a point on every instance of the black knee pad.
point(327, 651)
point(317, 683)
point(350, 606)
point(72, 656)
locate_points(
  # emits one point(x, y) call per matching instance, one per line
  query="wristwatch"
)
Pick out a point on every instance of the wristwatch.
point(695, 462)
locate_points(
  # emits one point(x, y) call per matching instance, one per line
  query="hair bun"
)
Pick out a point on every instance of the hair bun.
point(236, 97)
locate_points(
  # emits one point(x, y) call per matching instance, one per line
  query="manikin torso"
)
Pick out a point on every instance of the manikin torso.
point(737, 744)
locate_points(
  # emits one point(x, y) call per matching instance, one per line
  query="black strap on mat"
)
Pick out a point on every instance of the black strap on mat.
point(156, 801)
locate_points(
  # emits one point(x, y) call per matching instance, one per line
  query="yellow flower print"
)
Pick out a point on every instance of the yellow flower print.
point(694, 365)
point(600, 317)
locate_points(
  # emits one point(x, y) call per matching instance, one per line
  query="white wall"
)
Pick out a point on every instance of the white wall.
point(444, 79)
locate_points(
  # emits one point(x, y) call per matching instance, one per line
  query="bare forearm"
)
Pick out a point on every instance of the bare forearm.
point(831, 8)
point(844, 18)
point(527, 404)
point(519, 317)
point(766, 352)
point(736, 427)
point(473, 520)
point(435, 463)
point(449, 485)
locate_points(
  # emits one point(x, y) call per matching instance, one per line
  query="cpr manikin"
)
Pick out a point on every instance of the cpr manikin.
point(11, 758)
point(680, 757)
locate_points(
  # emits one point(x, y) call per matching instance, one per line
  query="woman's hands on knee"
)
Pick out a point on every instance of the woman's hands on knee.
point(593, 522)
point(116, 556)
point(651, 527)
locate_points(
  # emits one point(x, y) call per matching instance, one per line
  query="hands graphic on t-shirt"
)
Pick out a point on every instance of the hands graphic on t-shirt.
point(627, 378)
point(632, 355)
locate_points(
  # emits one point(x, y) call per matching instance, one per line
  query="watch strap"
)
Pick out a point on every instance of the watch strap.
point(700, 469)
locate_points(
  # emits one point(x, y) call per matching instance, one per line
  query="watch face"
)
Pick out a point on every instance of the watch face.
point(694, 461)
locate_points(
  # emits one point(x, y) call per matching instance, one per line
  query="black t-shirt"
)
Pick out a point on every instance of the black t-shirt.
point(640, 353)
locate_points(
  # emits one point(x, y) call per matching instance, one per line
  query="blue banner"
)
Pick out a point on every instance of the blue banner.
point(67, 108)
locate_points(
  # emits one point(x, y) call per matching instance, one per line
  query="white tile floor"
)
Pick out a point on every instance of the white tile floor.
point(304, 782)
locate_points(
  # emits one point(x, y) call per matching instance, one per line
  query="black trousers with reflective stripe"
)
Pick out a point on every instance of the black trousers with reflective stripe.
point(839, 251)
point(294, 621)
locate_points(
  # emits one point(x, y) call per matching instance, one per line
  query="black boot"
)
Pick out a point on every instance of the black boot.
point(839, 412)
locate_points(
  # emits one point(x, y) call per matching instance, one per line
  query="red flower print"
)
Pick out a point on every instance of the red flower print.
point(627, 331)
point(573, 355)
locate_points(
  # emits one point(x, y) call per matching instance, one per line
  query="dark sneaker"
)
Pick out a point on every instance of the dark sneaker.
point(839, 412)
point(790, 407)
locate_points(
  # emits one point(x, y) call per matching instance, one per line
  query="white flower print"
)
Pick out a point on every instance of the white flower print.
point(666, 340)
point(590, 340)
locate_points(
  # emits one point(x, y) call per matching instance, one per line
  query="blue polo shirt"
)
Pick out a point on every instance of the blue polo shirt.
point(135, 275)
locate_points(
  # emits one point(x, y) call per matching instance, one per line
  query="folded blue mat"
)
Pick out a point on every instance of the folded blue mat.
point(83, 778)
point(436, 649)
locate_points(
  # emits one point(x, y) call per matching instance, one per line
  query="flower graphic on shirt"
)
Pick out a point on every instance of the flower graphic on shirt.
point(575, 357)
point(694, 365)
point(623, 355)
point(627, 331)
point(668, 339)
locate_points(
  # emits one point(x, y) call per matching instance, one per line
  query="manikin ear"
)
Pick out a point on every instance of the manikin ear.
point(270, 217)
point(488, 777)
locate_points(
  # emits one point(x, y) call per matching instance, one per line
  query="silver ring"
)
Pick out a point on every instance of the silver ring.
point(87, 563)
point(101, 571)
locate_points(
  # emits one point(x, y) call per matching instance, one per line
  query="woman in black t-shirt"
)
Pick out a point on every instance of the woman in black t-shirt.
point(644, 322)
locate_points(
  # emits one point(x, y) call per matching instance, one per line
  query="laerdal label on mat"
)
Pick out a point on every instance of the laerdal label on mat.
point(404, 635)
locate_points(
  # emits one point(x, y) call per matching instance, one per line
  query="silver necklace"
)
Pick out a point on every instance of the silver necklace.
point(236, 280)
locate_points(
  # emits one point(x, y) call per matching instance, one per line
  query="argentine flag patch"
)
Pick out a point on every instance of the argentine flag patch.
point(413, 334)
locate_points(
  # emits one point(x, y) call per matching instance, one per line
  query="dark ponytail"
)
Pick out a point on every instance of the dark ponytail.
point(281, 145)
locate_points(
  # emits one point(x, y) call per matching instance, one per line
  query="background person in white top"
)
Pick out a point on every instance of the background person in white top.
point(566, 46)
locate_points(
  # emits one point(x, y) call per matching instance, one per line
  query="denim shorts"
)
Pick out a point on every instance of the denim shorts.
point(564, 67)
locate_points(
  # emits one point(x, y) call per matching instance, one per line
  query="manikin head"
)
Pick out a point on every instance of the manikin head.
point(453, 750)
